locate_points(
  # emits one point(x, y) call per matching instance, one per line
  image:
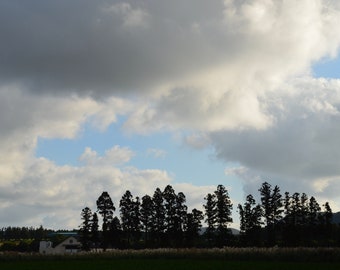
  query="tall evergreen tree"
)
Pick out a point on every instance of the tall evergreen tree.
point(169, 196)
point(272, 209)
point(95, 230)
point(105, 208)
point(85, 228)
point(328, 215)
point(115, 233)
point(193, 226)
point(314, 211)
point(126, 206)
point(136, 222)
point(223, 207)
point(210, 214)
point(277, 204)
point(271, 203)
point(158, 218)
point(250, 219)
point(181, 211)
point(180, 218)
point(304, 210)
point(146, 216)
point(296, 209)
point(223, 213)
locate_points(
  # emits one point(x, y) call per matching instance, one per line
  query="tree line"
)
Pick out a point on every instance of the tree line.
point(289, 220)
point(163, 220)
point(160, 220)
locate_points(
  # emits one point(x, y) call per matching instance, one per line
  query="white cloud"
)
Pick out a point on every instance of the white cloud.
point(113, 157)
point(157, 153)
point(300, 150)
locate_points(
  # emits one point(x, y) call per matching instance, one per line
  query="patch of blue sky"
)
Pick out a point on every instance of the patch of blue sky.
point(327, 68)
point(184, 164)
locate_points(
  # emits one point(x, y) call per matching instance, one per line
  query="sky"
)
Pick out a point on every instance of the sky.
point(113, 95)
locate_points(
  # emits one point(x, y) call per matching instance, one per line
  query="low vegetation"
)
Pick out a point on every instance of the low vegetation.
point(232, 258)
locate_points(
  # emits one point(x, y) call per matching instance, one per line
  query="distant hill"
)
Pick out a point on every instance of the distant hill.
point(336, 218)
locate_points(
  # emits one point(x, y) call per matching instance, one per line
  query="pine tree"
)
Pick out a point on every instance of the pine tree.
point(180, 218)
point(271, 203)
point(314, 211)
point(85, 228)
point(193, 226)
point(223, 214)
point(126, 215)
point(304, 210)
point(181, 211)
point(251, 215)
point(158, 219)
point(95, 230)
point(106, 208)
point(146, 216)
point(170, 208)
point(223, 207)
point(210, 214)
point(115, 232)
point(328, 215)
point(136, 222)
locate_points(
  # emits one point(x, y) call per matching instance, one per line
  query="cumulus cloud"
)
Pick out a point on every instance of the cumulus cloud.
point(113, 156)
point(233, 74)
point(300, 150)
point(60, 192)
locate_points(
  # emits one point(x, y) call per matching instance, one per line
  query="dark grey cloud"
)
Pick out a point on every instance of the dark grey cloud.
point(105, 45)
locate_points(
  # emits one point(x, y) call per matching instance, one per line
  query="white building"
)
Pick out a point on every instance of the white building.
point(69, 246)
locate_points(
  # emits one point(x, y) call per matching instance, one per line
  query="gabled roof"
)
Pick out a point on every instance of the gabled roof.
point(69, 241)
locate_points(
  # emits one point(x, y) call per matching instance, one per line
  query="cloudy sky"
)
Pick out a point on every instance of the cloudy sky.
point(117, 95)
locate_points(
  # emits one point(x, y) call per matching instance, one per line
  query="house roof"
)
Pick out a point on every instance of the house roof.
point(69, 241)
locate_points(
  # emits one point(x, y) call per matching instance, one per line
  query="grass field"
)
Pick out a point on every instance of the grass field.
point(161, 264)
point(213, 259)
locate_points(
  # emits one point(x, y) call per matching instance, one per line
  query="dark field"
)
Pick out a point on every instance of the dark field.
point(160, 264)
point(214, 259)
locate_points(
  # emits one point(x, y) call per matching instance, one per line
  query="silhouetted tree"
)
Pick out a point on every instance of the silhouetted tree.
point(210, 214)
point(250, 220)
point(136, 222)
point(223, 214)
point(115, 233)
point(85, 228)
point(158, 219)
point(328, 215)
point(272, 209)
point(193, 226)
point(126, 215)
point(106, 208)
point(95, 230)
point(147, 211)
point(314, 211)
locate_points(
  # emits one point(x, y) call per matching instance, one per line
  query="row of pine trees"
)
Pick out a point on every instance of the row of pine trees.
point(163, 220)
